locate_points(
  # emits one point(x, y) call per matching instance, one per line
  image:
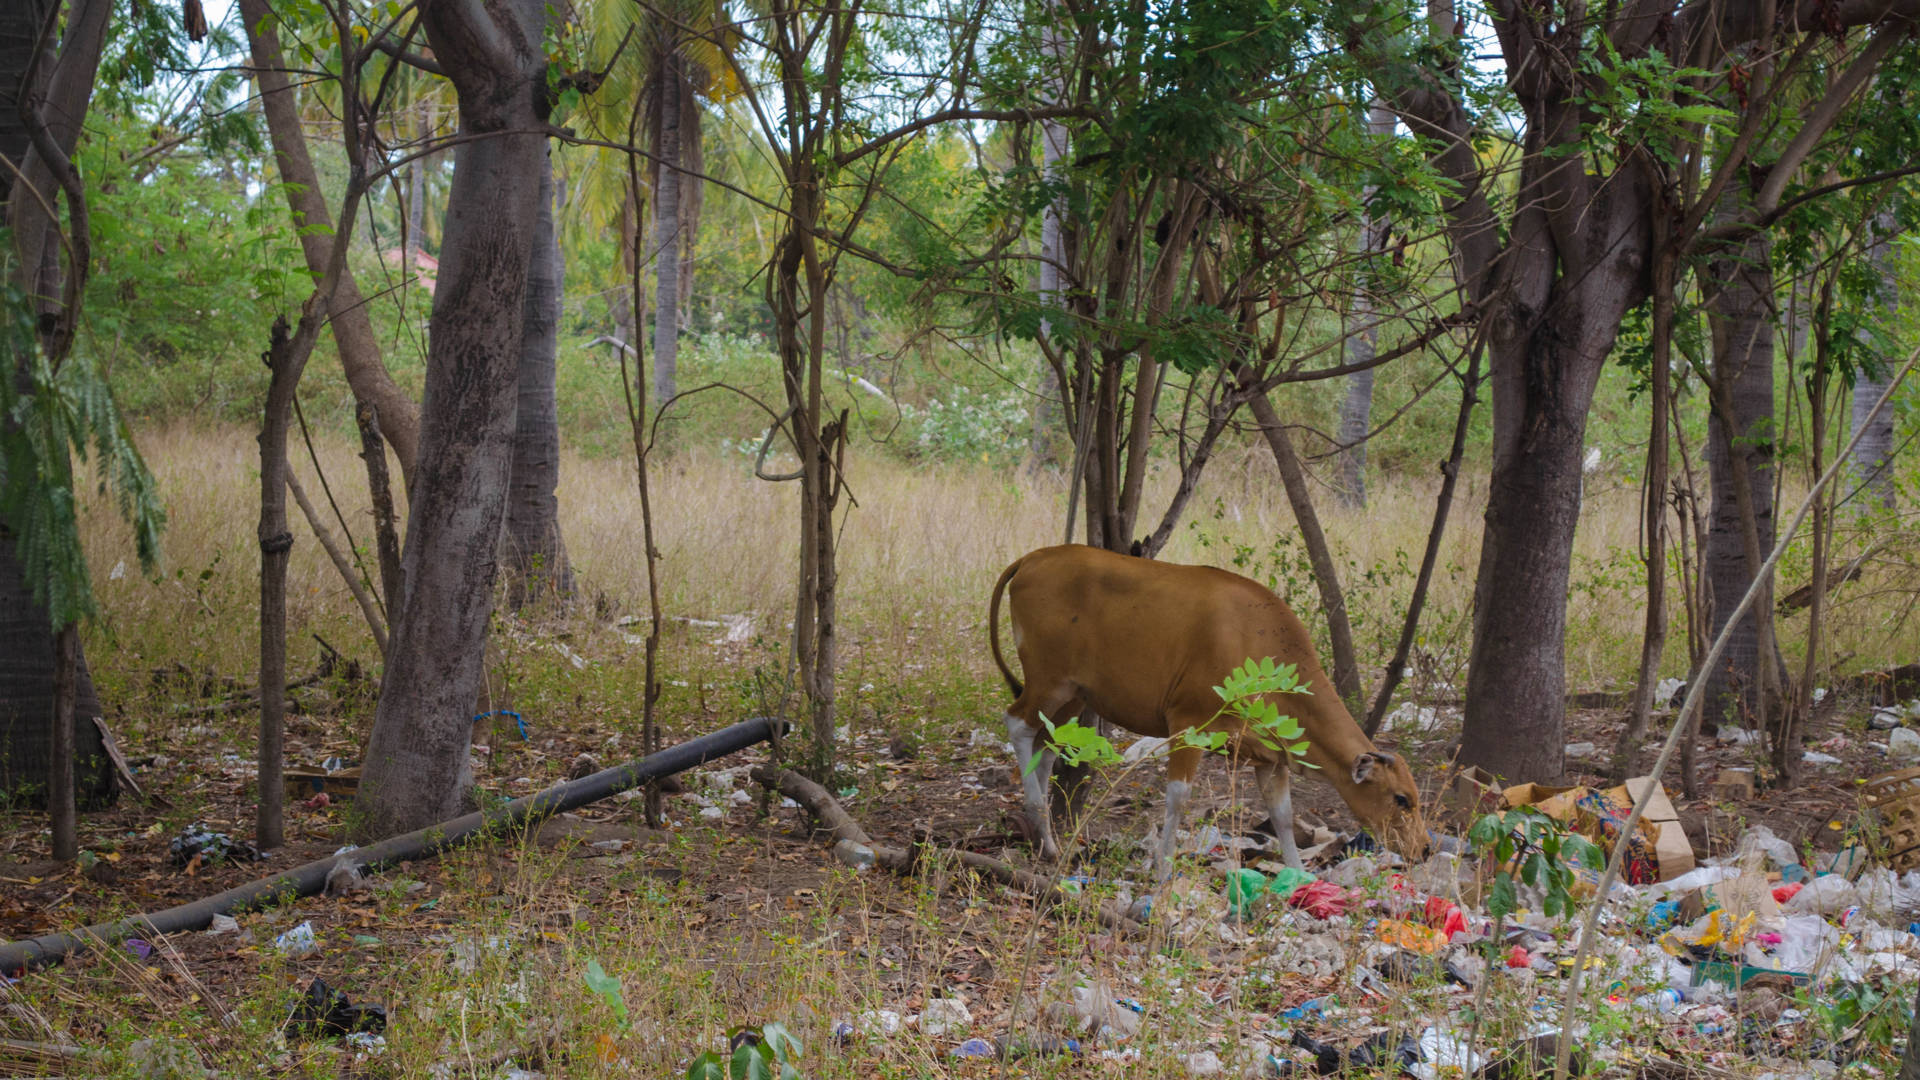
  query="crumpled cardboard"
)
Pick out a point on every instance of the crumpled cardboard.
point(1660, 841)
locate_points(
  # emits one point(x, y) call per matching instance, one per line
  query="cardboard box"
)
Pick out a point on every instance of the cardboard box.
point(1672, 848)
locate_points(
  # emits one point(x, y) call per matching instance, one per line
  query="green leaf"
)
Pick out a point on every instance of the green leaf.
point(750, 1063)
point(707, 1066)
point(608, 988)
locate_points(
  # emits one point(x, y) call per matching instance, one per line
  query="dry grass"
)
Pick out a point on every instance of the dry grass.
point(918, 555)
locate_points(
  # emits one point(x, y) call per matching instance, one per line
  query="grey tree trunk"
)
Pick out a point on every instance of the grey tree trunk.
point(359, 349)
point(1742, 325)
point(416, 770)
point(1053, 147)
point(1873, 457)
point(1362, 339)
point(412, 243)
point(536, 552)
point(666, 239)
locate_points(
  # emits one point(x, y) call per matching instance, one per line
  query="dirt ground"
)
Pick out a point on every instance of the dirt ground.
point(748, 871)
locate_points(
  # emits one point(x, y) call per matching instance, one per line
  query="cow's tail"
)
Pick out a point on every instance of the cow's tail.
point(993, 627)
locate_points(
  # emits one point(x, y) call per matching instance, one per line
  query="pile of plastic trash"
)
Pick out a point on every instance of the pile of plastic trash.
point(1758, 954)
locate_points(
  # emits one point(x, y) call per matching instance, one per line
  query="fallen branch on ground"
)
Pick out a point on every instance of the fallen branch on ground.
point(842, 826)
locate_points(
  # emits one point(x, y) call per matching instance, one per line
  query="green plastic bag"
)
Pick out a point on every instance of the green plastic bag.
point(1287, 880)
point(1244, 886)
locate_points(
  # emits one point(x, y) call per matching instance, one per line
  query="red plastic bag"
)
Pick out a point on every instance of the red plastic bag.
point(1785, 892)
point(1445, 916)
point(1320, 899)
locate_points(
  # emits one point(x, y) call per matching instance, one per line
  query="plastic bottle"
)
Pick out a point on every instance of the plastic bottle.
point(1660, 1001)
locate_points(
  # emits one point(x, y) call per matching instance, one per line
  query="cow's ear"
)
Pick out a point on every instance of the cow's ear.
point(1365, 764)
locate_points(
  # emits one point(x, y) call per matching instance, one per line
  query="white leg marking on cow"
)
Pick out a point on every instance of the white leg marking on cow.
point(1176, 813)
point(1033, 781)
point(1276, 790)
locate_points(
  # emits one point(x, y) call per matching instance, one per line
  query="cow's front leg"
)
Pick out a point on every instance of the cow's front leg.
point(1276, 791)
point(1034, 776)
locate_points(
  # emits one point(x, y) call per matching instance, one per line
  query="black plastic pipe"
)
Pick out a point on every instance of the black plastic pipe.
point(310, 878)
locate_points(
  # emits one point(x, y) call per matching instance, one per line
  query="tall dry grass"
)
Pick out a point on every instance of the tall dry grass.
point(920, 548)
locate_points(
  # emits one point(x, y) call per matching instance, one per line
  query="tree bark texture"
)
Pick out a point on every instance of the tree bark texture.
point(1873, 456)
point(43, 673)
point(373, 451)
point(63, 90)
point(1362, 338)
point(536, 552)
point(27, 666)
point(353, 334)
point(416, 769)
point(20, 25)
point(276, 548)
point(1740, 472)
point(666, 235)
point(1346, 669)
point(1053, 148)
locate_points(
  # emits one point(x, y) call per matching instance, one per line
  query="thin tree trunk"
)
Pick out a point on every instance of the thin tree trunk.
point(1346, 669)
point(347, 314)
point(276, 546)
point(536, 552)
point(61, 805)
point(1910, 1060)
point(1873, 457)
point(1053, 147)
point(666, 247)
point(417, 771)
point(1787, 757)
point(1362, 337)
point(416, 225)
point(369, 608)
point(1653, 638)
point(1442, 506)
point(385, 530)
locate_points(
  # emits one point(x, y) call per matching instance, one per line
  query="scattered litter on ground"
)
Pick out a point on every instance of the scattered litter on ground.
point(297, 942)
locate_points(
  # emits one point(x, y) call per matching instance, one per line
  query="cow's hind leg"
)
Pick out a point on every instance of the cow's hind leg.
point(1182, 764)
point(1276, 791)
point(1023, 731)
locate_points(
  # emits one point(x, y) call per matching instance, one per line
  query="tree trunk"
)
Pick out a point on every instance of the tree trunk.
point(1053, 147)
point(1653, 637)
point(276, 547)
point(1910, 1060)
point(1346, 670)
point(1740, 471)
point(1873, 457)
point(1362, 337)
point(20, 25)
point(666, 246)
point(537, 555)
point(347, 314)
point(373, 451)
point(1516, 688)
point(62, 806)
point(43, 673)
point(67, 86)
point(27, 667)
point(411, 244)
point(417, 767)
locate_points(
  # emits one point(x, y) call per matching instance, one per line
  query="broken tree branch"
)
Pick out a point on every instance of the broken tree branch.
point(842, 826)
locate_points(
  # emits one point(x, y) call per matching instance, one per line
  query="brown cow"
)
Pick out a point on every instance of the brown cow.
point(1143, 644)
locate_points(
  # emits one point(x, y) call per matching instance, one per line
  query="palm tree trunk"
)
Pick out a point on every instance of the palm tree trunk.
point(666, 246)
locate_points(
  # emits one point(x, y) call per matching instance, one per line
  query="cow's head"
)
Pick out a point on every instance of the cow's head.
point(1387, 801)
